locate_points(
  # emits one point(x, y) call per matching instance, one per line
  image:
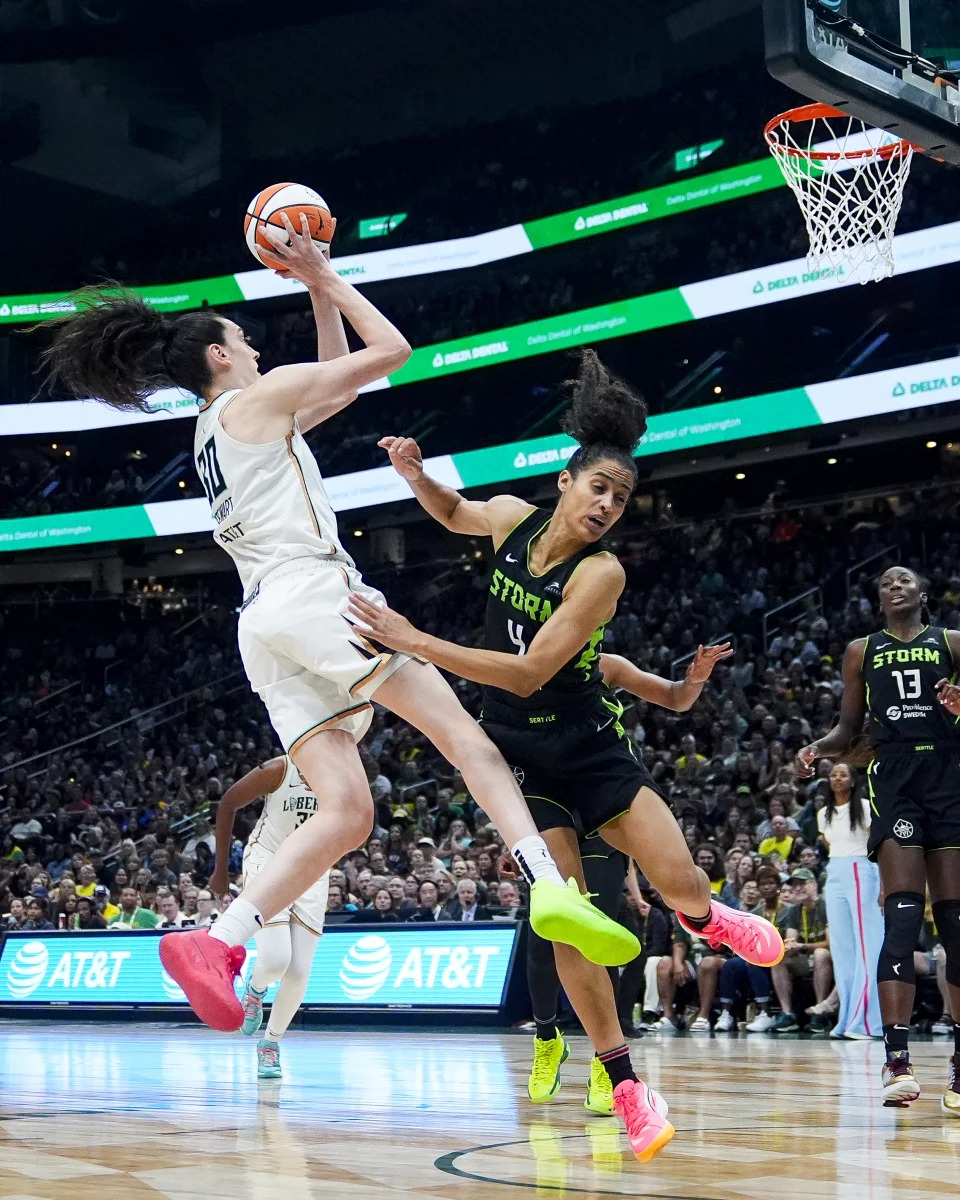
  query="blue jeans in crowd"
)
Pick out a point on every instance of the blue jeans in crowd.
point(737, 975)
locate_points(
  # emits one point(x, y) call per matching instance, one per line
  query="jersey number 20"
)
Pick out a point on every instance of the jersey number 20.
point(912, 690)
point(210, 474)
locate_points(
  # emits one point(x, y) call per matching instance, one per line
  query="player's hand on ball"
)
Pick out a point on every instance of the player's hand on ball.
point(949, 696)
point(405, 456)
point(383, 624)
point(296, 256)
point(805, 759)
point(706, 659)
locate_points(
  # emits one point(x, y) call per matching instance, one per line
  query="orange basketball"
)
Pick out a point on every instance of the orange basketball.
point(293, 199)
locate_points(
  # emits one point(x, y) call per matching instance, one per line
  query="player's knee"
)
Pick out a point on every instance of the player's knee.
point(903, 921)
point(946, 917)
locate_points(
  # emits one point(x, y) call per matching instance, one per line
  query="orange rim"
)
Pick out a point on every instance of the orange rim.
point(823, 112)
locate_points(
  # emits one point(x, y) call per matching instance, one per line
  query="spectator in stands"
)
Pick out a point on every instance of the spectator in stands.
point(429, 908)
point(638, 983)
point(105, 907)
point(15, 918)
point(689, 975)
point(207, 911)
point(37, 920)
point(466, 907)
point(509, 899)
point(170, 915)
point(132, 914)
point(381, 912)
point(335, 902)
point(87, 915)
point(780, 841)
point(807, 943)
point(402, 906)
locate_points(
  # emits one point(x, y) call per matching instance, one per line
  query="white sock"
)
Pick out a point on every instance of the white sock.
point(533, 859)
point(238, 924)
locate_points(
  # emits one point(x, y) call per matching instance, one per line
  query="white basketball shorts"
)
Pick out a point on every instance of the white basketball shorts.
point(311, 668)
point(309, 909)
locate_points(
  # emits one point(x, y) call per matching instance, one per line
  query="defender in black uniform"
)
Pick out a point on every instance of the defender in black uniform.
point(901, 679)
point(554, 589)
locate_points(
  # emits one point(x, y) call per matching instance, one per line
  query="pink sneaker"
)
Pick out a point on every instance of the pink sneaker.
point(644, 1113)
point(752, 937)
point(206, 969)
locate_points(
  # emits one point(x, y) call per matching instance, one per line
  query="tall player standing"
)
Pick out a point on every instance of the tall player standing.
point(897, 678)
point(555, 587)
point(288, 941)
point(314, 672)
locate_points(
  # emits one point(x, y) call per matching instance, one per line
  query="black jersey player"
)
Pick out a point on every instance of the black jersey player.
point(900, 680)
point(555, 587)
point(605, 871)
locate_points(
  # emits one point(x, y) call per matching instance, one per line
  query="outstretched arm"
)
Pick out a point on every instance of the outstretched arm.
point(324, 388)
point(853, 707)
point(256, 783)
point(589, 601)
point(480, 518)
point(619, 672)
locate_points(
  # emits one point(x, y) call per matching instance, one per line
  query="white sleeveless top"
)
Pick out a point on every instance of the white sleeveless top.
point(268, 501)
point(283, 810)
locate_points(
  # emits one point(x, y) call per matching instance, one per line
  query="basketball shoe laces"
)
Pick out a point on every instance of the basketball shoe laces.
point(251, 1004)
point(543, 1069)
point(635, 1115)
point(745, 933)
point(269, 1056)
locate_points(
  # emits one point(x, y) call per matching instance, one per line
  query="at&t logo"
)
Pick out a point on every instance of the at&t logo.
point(27, 969)
point(365, 968)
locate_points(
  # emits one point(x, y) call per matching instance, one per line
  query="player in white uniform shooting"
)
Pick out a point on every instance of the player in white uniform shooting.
point(314, 671)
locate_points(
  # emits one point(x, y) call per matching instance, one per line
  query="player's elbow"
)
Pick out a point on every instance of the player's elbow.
point(395, 354)
point(529, 678)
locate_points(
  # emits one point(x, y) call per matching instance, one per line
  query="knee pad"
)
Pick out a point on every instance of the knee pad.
point(946, 917)
point(903, 921)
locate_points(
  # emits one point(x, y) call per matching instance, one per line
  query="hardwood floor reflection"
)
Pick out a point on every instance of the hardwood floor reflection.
point(124, 1112)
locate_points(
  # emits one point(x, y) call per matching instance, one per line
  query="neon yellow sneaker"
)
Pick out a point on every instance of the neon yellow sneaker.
point(548, 1057)
point(565, 915)
point(599, 1090)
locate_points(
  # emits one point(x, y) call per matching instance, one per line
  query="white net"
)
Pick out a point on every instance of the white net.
point(848, 180)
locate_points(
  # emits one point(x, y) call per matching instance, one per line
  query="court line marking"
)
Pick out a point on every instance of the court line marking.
point(445, 1163)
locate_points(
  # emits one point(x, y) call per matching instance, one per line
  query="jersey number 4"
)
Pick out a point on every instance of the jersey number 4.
point(210, 474)
point(516, 636)
point(912, 690)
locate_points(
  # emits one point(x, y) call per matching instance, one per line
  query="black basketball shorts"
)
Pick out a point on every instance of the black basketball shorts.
point(575, 772)
point(915, 800)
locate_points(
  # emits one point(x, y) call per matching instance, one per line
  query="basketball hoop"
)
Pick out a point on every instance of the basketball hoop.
point(848, 180)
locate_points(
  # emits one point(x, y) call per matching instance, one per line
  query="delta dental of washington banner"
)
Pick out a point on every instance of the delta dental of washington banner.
point(733, 420)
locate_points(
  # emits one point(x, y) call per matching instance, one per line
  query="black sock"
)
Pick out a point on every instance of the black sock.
point(618, 1065)
point(547, 1030)
point(699, 922)
point(895, 1039)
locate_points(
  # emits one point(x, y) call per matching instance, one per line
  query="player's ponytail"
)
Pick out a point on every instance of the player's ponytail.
point(118, 349)
point(606, 416)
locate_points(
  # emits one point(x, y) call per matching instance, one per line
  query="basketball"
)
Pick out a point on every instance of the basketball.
point(267, 207)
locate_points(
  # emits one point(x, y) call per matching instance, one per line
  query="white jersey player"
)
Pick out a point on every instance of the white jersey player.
point(314, 671)
point(288, 941)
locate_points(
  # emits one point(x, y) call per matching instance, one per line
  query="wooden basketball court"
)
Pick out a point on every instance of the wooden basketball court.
point(99, 1112)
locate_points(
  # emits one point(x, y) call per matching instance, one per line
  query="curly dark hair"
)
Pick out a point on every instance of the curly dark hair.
point(607, 417)
point(118, 349)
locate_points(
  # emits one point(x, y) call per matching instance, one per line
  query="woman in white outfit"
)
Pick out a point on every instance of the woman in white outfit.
point(288, 941)
point(854, 916)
